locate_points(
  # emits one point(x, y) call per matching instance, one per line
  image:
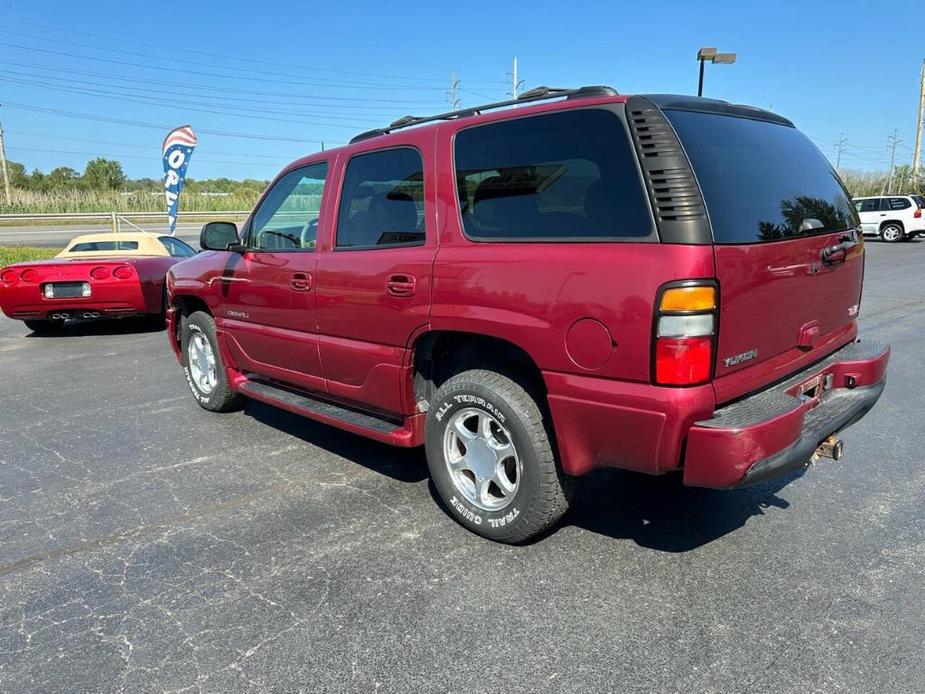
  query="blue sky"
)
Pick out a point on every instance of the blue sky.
point(289, 75)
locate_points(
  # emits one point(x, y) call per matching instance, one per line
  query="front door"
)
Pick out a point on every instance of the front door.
point(268, 311)
point(374, 283)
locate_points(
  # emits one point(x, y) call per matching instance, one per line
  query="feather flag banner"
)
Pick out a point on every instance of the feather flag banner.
point(177, 150)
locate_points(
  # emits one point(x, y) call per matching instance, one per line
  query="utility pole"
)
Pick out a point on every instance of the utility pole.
point(917, 152)
point(516, 83)
point(895, 141)
point(839, 148)
point(451, 95)
point(6, 171)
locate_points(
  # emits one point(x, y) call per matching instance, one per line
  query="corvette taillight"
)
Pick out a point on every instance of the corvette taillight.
point(685, 331)
point(100, 273)
point(123, 272)
point(9, 277)
point(29, 275)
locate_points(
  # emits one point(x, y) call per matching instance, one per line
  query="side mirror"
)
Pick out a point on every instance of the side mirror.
point(217, 236)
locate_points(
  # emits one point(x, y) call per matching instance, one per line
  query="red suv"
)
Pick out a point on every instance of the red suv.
point(536, 288)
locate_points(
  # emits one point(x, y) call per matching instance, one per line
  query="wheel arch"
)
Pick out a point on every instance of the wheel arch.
point(892, 221)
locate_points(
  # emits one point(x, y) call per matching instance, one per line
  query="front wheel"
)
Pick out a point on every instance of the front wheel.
point(891, 233)
point(202, 364)
point(491, 459)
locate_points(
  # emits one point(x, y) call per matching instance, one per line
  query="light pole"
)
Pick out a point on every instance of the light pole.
point(710, 54)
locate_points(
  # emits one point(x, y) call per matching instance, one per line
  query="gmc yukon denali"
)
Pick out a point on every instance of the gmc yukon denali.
point(536, 288)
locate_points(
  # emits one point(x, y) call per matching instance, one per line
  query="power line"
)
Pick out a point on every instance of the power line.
point(156, 126)
point(156, 157)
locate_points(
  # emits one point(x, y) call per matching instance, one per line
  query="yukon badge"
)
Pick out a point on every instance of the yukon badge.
point(739, 358)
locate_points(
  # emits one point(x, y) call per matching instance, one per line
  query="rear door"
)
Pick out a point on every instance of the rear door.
point(775, 205)
point(869, 214)
point(374, 282)
point(268, 301)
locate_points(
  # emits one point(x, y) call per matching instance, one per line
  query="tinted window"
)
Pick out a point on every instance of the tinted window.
point(569, 175)
point(761, 180)
point(176, 247)
point(869, 205)
point(89, 246)
point(898, 204)
point(383, 200)
point(919, 201)
point(287, 219)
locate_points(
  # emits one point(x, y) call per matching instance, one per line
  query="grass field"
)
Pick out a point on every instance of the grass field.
point(20, 254)
point(33, 202)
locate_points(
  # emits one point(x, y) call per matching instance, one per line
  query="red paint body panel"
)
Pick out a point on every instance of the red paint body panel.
point(140, 294)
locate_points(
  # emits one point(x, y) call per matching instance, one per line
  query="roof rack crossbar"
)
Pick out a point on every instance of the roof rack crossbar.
point(536, 94)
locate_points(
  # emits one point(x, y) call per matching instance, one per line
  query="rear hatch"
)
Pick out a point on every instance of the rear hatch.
point(775, 206)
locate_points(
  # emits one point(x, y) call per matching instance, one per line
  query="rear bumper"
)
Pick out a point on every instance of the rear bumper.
point(777, 430)
point(107, 302)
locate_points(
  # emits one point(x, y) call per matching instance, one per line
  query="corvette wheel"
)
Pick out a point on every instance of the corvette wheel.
point(44, 326)
point(202, 364)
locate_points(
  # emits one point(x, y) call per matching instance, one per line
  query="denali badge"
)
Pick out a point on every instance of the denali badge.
point(739, 358)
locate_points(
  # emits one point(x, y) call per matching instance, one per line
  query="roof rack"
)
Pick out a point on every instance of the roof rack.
point(536, 94)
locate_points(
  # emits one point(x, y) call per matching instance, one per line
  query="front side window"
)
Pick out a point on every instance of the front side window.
point(287, 219)
point(383, 200)
point(176, 247)
point(561, 176)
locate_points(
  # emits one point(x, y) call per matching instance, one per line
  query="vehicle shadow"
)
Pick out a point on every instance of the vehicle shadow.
point(402, 464)
point(662, 514)
point(115, 326)
point(655, 512)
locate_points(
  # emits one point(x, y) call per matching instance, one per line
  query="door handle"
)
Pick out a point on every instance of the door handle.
point(400, 285)
point(301, 281)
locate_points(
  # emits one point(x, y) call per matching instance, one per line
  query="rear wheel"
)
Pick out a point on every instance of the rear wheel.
point(491, 458)
point(202, 364)
point(892, 232)
point(44, 326)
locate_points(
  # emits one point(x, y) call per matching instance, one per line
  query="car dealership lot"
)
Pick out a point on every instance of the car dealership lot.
point(147, 544)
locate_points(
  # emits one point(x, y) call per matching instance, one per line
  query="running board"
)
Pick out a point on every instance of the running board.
point(411, 433)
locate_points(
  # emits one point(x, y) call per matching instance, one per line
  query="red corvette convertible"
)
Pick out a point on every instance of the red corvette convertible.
point(96, 276)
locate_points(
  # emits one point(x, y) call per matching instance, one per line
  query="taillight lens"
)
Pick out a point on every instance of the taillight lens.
point(100, 273)
point(29, 275)
point(9, 276)
point(685, 329)
point(918, 213)
point(123, 272)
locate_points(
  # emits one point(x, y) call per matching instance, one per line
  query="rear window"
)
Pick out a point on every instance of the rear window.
point(919, 200)
point(89, 246)
point(762, 181)
point(561, 176)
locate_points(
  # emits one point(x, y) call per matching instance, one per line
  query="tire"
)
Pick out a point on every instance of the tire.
point(527, 492)
point(198, 334)
point(892, 232)
point(44, 326)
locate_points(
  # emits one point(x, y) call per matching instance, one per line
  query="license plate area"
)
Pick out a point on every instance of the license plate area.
point(66, 290)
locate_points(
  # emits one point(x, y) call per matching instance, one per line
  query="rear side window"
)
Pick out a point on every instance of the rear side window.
point(561, 176)
point(761, 181)
point(919, 201)
point(869, 205)
point(91, 246)
point(898, 204)
point(383, 200)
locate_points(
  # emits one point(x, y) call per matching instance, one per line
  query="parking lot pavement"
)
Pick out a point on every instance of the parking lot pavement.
point(146, 544)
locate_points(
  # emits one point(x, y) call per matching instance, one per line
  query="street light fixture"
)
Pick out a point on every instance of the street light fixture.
point(710, 54)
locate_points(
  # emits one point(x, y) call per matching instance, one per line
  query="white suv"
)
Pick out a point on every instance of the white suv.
point(892, 217)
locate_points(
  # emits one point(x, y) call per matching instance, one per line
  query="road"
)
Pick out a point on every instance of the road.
point(56, 236)
point(146, 544)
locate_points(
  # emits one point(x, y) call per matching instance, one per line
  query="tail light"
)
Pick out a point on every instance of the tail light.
point(100, 273)
point(123, 272)
point(29, 275)
point(9, 276)
point(918, 213)
point(685, 332)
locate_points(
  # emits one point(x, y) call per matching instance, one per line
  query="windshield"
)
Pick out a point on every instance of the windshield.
point(761, 181)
